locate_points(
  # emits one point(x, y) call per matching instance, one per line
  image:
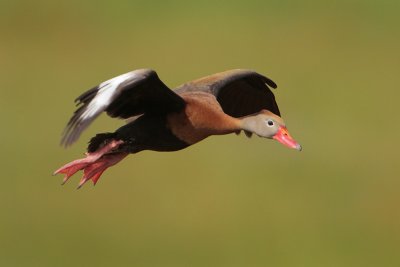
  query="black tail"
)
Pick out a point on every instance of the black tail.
point(99, 141)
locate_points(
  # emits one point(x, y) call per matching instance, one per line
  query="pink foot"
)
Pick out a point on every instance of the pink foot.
point(94, 164)
point(96, 169)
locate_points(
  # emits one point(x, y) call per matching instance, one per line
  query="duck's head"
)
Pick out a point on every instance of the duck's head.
point(267, 124)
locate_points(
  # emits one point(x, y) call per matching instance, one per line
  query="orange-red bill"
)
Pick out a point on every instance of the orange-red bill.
point(284, 137)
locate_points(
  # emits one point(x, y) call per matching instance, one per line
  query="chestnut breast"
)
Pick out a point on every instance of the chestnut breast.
point(202, 117)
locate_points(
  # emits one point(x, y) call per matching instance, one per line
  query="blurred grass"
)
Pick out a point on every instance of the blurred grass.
point(227, 201)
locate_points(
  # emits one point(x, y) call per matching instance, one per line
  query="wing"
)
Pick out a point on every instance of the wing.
point(239, 92)
point(133, 93)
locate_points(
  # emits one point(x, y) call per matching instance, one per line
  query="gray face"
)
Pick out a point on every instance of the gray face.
point(269, 125)
point(265, 124)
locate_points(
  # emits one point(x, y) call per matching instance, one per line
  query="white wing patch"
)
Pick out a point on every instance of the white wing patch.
point(105, 95)
point(107, 92)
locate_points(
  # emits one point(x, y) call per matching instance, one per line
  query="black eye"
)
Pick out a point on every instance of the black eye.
point(270, 122)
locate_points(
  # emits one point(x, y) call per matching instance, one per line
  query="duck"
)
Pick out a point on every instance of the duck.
point(161, 119)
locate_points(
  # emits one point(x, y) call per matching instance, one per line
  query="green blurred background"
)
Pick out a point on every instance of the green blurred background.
point(227, 201)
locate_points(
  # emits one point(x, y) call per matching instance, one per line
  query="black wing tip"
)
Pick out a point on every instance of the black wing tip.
point(73, 129)
point(268, 81)
point(87, 96)
point(68, 137)
point(250, 72)
point(271, 83)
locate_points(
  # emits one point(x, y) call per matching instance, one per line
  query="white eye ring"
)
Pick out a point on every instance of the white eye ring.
point(270, 123)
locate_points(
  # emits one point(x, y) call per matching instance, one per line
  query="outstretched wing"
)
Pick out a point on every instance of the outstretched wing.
point(239, 92)
point(133, 93)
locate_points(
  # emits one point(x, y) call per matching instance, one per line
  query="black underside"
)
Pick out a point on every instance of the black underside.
point(148, 132)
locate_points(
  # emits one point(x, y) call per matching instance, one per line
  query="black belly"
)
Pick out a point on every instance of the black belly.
point(148, 132)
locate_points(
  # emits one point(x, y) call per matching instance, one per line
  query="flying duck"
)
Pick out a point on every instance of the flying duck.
point(161, 119)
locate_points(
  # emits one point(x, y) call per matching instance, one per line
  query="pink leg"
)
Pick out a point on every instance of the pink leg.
point(94, 164)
